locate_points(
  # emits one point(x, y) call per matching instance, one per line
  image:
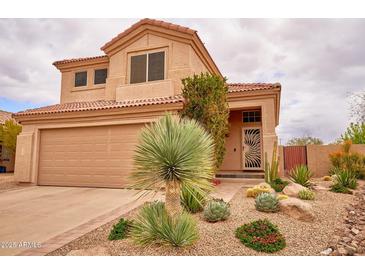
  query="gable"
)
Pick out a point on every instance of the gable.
point(164, 31)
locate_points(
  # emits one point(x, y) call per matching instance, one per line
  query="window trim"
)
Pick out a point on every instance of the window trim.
point(147, 52)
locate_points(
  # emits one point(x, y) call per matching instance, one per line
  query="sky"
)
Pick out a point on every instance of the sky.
point(319, 62)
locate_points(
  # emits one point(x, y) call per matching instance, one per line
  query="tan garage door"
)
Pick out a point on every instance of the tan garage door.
point(90, 156)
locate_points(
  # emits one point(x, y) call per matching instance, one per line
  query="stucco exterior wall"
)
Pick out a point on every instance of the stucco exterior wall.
point(233, 158)
point(180, 61)
point(318, 160)
point(90, 92)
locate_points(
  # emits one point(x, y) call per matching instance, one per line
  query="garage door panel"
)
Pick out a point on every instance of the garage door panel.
point(91, 156)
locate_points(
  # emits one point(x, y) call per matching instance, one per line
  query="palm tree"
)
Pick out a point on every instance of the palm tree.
point(174, 153)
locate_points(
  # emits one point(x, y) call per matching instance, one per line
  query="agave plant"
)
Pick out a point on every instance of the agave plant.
point(267, 202)
point(174, 153)
point(301, 175)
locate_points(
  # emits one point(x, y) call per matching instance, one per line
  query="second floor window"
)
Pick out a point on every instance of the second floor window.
point(147, 67)
point(80, 79)
point(100, 76)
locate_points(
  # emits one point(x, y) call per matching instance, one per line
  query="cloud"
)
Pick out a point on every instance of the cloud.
point(317, 61)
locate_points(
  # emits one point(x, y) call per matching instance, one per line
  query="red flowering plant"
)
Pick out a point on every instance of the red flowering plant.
point(261, 235)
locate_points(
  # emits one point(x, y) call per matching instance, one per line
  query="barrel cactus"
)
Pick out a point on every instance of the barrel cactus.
point(216, 210)
point(267, 202)
point(306, 194)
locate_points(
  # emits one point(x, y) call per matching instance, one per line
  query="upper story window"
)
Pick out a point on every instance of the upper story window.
point(147, 67)
point(251, 116)
point(80, 79)
point(100, 76)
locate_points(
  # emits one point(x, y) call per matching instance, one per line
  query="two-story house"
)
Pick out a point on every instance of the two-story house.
point(89, 138)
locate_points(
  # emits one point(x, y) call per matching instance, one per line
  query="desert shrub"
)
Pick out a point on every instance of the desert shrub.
point(339, 188)
point(346, 178)
point(306, 194)
point(154, 225)
point(347, 160)
point(261, 235)
point(282, 197)
point(326, 178)
point(206, 102)
point(256, 190)
point(192, 201)
point(216, 210)
point(278, 184)
point(301, 175)
point(8, 135)
point(120, 230)
point(267, 202)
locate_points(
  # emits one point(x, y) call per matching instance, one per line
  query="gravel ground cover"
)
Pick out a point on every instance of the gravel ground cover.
point(218, 238)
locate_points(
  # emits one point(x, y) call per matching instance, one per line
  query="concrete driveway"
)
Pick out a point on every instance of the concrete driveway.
point(39, 219)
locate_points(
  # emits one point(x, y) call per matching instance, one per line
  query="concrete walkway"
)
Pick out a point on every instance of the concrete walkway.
point(229, 187)
point(49, 217)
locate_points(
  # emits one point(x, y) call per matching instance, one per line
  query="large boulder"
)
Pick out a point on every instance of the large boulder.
point(292, 189)
point(94, 251)
point(297, 209)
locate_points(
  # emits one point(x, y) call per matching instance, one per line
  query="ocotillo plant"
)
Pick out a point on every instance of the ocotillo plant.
point(271, 171)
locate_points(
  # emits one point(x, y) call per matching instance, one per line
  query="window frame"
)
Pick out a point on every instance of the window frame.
point(254, 116)
point(146, 52)
point(107, 72)
point(87, 78)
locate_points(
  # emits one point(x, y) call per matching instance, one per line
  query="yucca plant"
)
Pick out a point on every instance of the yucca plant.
point(301, 175)
point(154, 225)
point(172, 153)
point(345, 178)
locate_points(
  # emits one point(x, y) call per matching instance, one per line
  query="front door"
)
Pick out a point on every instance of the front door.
point(251, 148)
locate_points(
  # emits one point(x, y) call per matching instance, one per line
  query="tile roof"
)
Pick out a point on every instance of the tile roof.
point(98, 105)
point(66, 61)
point(111, 104)
point(149, 22)
point(4, 115)
point(247, 87)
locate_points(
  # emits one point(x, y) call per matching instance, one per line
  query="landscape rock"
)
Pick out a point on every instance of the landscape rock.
point(327, 252)
point(297, 209)
point(351, 237)
point(292, 189)
point(94, 251)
